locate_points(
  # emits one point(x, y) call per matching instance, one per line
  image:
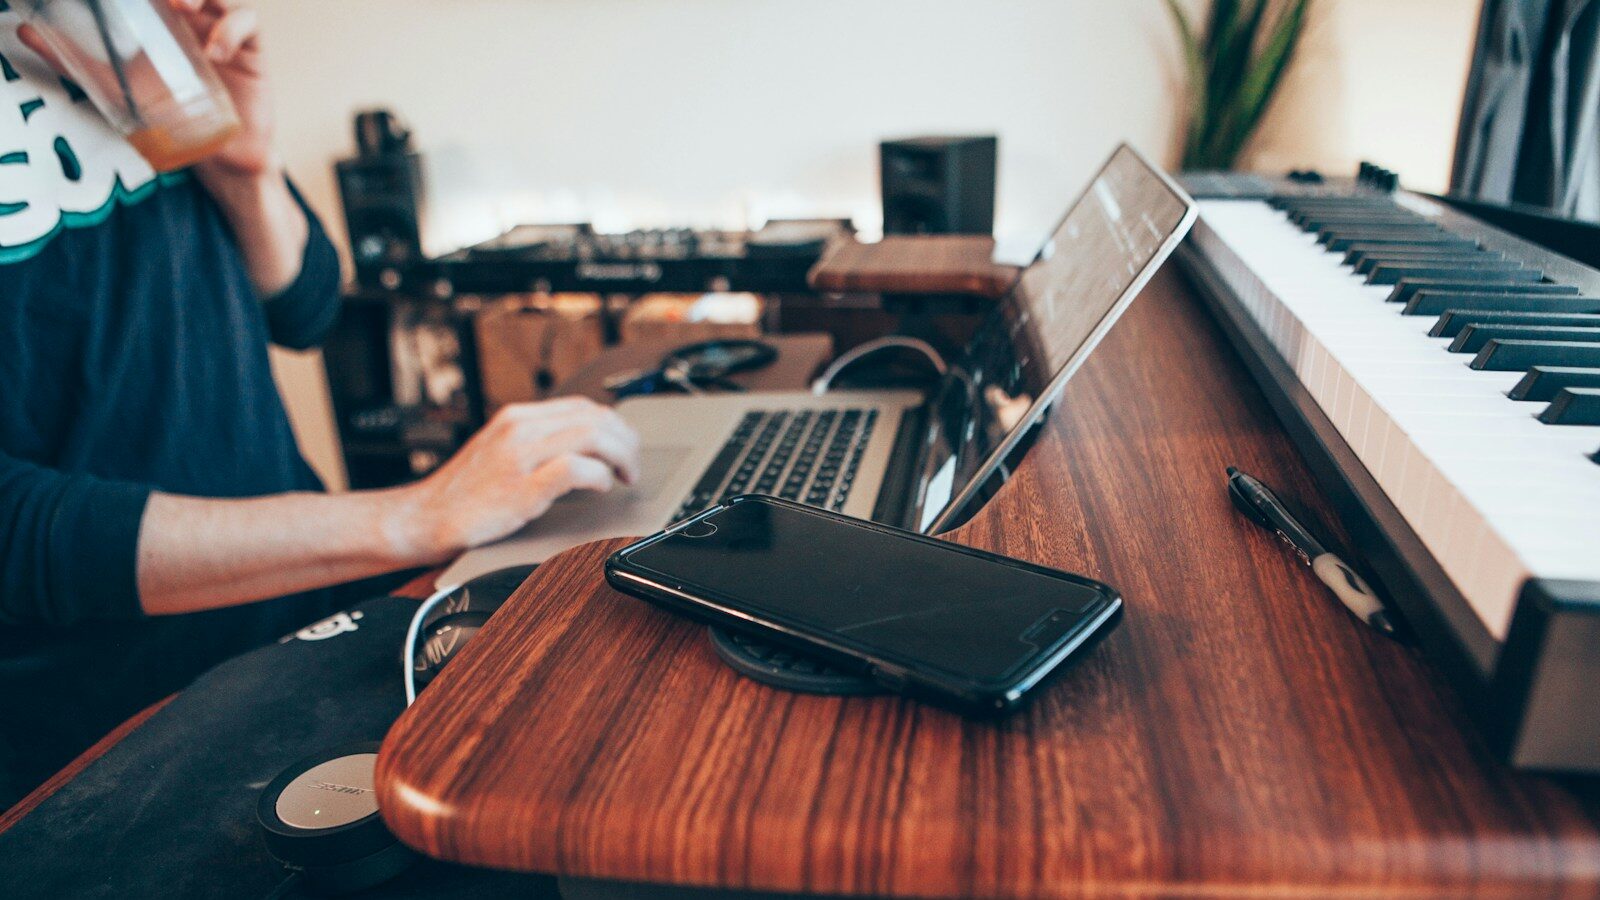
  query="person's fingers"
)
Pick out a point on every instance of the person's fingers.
point(586, 440)
point(616, 427)
point(569, 425)
point(620, 443)
point(534, 422)
point(235, 32)
point(33, 40)
point(563, 475)
point(213, 7)
point(559, 407)
point(200, 14)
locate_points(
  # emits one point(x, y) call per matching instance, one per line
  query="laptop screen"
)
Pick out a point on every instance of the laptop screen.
point(1112, 239)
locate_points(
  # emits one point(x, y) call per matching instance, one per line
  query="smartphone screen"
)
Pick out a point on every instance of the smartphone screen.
point(929, 604)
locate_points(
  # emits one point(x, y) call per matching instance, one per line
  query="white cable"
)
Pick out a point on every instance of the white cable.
point(850, 357)
point(678, 375)
point(409, 655)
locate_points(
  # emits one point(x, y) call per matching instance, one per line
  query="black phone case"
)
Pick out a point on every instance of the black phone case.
point(936, 686)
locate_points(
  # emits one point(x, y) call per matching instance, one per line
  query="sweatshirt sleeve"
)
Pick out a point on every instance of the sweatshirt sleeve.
point(68, 546)
point(301, 315)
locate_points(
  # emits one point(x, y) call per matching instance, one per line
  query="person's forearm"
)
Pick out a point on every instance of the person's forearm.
point(269, 225)
point(197, 554)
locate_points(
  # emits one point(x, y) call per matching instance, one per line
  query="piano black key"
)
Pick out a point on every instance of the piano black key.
point(1369, 261)
point(1359, 211)
point(1344, 242)
point(1488, 270)
point(1421, 232)
point(1573, 406)
point(1316, 220)
point(1357, 216)
point(1453, 320)
point(1519, 356)
point(1430, 303)
point(1408, 286)
point(1331, 202)
point(1354, 253)
point(1544, 382)
point(1473, 337)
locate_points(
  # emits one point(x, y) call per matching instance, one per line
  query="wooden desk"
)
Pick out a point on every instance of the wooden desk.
point(1239, 734)
point(921, 264)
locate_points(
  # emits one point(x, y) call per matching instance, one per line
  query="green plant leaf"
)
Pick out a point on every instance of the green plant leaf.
point(1234, 69)
point(1234, 43)
point(1229, 45)
point(1262, 81)
point(1218, 22)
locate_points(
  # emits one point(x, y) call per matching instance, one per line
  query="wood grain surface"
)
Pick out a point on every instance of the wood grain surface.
point(1239, 734)
point(919, 264)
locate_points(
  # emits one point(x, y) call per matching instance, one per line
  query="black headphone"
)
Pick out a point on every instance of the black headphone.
point(445, 622)
point(695, 367)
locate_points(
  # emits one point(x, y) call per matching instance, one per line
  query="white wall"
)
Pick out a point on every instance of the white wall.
point(641, 112)
point(723, 112)
point(1376, 79)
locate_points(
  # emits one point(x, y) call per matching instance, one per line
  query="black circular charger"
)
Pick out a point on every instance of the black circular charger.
point(320, 819)
point(781, 667)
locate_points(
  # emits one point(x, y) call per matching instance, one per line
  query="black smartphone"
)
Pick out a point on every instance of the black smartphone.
point(931, 619)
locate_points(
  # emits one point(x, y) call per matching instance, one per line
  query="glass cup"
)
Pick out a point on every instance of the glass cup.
point(144, 70)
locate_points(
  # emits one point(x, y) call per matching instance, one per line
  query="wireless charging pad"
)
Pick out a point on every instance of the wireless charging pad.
point(320, 818)
point(781, 667)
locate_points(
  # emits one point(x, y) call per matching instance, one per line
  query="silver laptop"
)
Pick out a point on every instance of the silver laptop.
point(891, 456)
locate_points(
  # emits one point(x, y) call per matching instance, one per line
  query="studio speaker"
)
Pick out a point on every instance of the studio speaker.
point(383, 201)
point(938, 185)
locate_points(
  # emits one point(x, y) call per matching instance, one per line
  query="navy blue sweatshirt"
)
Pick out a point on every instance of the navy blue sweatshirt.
point(133, 358)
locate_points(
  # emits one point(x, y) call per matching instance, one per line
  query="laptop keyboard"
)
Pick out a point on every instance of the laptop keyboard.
point(809, 456)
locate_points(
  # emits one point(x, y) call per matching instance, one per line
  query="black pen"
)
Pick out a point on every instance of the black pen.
point(1258, 503)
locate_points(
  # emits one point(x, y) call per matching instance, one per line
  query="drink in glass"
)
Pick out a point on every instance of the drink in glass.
point(144, 70)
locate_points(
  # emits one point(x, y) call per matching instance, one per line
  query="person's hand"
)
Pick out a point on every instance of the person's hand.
point(511, 471)
point(230, 36)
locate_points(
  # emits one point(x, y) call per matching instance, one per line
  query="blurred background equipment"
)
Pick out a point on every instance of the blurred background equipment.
point(382, 192)
point(938, 185)
point(575, 257)
point(695, 368)
point(528, 343)
point(430, 347)
point(688, 318)
point(404, 384)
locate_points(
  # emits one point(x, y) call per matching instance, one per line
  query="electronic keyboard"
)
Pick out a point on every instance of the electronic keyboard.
point(1442, 378)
